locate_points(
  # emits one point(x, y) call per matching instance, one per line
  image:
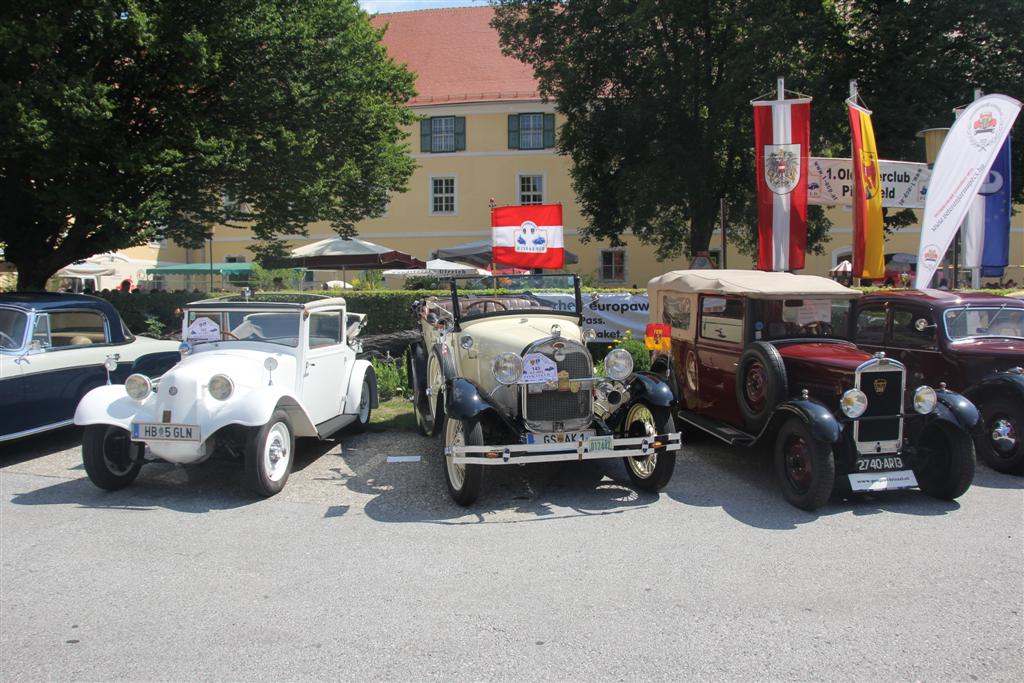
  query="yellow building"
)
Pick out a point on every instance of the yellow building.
point(486, 135)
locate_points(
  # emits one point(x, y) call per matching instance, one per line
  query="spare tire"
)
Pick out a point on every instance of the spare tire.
point(760, 384)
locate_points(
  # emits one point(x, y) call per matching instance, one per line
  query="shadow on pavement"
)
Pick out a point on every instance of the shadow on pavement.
point(48, 443)
point(990, 479)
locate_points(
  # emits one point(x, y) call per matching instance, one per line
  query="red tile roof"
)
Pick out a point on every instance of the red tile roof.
point(455, 55)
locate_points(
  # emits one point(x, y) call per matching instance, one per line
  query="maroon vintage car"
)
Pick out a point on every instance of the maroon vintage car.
point(974, 342)
point(764, 357)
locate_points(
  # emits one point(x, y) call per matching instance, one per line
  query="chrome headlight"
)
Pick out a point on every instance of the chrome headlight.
point(853, 403)
point(221, 387)
point(590, 335)
point(138, 387)
point(507, 368)
point(924, 399)
point(466, 342)
point(618, 364)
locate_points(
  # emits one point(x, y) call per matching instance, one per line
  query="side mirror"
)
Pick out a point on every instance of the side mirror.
point(922, 325)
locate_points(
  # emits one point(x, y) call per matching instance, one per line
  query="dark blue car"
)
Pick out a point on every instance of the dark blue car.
point(56, 347)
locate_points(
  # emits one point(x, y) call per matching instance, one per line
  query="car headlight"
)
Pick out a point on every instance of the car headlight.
point(924, 399)
point(138, 387)
point(466, 342)
point(618, 364)
point(220, 387)
point(507, 368)
point(853, 403)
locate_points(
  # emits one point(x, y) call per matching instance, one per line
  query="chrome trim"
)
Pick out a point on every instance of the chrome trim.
point(37, 430)
point(879, 363)
point(520, 453)
point(538, 423)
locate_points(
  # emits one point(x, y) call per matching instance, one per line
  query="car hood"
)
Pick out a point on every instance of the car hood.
point(243, 366)
point(839, 355)
point(492, 336)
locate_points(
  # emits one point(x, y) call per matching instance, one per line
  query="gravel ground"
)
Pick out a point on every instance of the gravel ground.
point(363, 569)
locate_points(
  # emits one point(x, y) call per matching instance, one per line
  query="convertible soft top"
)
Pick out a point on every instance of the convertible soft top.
point(752, 283)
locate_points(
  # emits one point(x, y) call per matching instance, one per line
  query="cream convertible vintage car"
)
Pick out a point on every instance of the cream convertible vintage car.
point(507, 377)
point(253, 376)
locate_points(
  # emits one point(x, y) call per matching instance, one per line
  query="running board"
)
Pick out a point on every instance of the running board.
point(730, 435)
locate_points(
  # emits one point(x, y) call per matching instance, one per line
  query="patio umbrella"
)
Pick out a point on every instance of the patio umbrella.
point(842, 267)
point(438, 268)
point(478, 253)
point(341, 253)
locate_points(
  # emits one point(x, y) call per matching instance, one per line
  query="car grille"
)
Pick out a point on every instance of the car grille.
point(883, 385)
point(573, 410)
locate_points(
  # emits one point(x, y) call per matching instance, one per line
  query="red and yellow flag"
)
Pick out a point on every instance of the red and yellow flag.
point(868, 236)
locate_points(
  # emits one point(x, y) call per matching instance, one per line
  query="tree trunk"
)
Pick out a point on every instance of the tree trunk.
point(32, 275)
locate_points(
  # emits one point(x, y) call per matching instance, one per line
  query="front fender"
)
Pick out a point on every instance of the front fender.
point(650, 388)
point(1009, 382)
point(823, 424)
point(107, 405)
point(960, 407)
point(360, 370)
point(463, 399)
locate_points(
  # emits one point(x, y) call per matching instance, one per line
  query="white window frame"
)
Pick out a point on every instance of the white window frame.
point(442, 135)
point(455, 195)
point(625, 264)
point(543, 187)
point(540, 131)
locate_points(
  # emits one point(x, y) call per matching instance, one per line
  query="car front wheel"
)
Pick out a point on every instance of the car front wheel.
point(364, 409)
point(805, 466)
point(650, 472)
point(107, 453)
point(464, 481)
point(269, 455)
point(1001, 442)
point(947, 463)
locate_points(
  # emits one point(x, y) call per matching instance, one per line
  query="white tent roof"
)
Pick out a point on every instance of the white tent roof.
point(754, 283)
point(842, 267)
point(340, 246)
point(439, 268)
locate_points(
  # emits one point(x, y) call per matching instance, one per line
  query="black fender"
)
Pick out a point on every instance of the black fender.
point(463, 399)
point(650, 388)
point(417, 361)
point(959, 408)
point(155, 364)
point(1008, 383)
point(823, 424)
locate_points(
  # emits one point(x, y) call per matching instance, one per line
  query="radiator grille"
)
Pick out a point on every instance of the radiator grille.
point(884, 390)
point(573, 410)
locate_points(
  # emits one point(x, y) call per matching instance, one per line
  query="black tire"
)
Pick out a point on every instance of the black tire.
point(760, 384)
point(653, 472)
point(264, 473)
point(947, 462)
point(110, 456)
point(365, 408)
point(466, 491)
point(421, 407)
point(804, 466)
point(1001, 416)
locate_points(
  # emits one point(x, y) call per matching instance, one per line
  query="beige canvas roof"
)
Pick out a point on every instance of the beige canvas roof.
point(753, 283)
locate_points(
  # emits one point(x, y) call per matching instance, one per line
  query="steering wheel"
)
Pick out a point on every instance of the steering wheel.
point(818, 327)
point(7, 338)
point(484, 302)
point(227, 333)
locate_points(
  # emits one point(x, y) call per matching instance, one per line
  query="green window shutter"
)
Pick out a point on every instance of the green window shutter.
point(425, 136)
point(460, 133)
point(513, 131)
point(549, 130)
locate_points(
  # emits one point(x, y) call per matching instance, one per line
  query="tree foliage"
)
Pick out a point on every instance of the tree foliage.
point(121, 121)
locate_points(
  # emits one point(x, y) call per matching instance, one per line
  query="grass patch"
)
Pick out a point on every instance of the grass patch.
point(395, 414)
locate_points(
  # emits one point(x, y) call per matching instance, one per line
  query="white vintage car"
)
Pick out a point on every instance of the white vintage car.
point(253, 376)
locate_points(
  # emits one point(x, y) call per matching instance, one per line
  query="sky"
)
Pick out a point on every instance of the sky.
point(385, 6)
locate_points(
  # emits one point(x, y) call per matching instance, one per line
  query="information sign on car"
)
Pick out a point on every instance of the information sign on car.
point(538, 368)
point(203, 329)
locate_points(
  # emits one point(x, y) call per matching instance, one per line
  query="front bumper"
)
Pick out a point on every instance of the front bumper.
point(523, 453)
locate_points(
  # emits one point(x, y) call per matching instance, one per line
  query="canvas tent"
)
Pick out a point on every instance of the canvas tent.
point(438, 268)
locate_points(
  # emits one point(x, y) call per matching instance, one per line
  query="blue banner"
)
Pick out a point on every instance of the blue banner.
point(995, 255)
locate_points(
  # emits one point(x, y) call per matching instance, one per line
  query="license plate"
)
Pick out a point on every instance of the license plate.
point(561, 437)
point(155, 431)
point(601, 443)
point(883, 481)
point(880, 463)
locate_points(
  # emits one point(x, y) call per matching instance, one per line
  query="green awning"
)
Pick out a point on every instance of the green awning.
point(201, 268)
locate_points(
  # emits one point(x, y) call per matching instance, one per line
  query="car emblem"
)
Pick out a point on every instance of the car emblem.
point(563, 380)
point(880, 386)
point(173, 391)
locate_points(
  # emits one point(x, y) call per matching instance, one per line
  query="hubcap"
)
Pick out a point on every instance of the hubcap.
point(641, 423)
point(454, 435)
point(756, 386)
point(798, 463)
point(117, 451)
point(277, 451)
point(364, 403)
point(1004, 436)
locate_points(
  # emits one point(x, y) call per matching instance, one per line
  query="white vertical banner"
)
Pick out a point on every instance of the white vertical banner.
point(962, 166)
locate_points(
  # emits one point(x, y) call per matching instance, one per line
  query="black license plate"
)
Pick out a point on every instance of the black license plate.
point(880, 463)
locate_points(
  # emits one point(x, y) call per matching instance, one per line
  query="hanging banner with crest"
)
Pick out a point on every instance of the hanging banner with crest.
point(782, 139)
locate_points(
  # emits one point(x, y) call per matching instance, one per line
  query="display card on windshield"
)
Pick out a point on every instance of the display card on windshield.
point(539, 368)
point(204, 330)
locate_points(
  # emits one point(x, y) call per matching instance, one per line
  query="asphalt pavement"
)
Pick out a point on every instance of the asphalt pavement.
point(362, 569)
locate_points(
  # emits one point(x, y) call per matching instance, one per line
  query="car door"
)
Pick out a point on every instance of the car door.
point(917, 349)
point(869, 327)
point(327, 366)
point(13, 323)
point(719, 346)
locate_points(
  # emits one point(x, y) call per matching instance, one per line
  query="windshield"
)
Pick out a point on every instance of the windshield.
point(557, 293)
point(798, 318)
point(275, 327)
point(995, 321)
point(12, 328)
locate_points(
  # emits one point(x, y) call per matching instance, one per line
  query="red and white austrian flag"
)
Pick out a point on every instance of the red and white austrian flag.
point(782, 137)
point(528, 236)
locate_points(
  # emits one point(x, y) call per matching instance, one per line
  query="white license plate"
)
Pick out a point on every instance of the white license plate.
point(882, 481)
point(601, 443)
point(879, 463)
point(561, 437)
point(155, 431)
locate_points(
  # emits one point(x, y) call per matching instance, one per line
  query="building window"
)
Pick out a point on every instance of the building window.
point(531, 131)
point(443, 134)
point(234, 259)
point(442, 195)
point(531, 189)
point(613, 265)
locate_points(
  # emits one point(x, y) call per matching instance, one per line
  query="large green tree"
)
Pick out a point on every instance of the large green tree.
point(126, 120)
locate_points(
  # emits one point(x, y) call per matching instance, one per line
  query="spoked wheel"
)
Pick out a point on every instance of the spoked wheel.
point(464, 481)
point(804, 466)
point(653, 471)
point(947, 463)
point(755, 386)
point(364, 409)
point(1001, 441)
point(435, 380)
point(110, 457)
point(269, 455)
